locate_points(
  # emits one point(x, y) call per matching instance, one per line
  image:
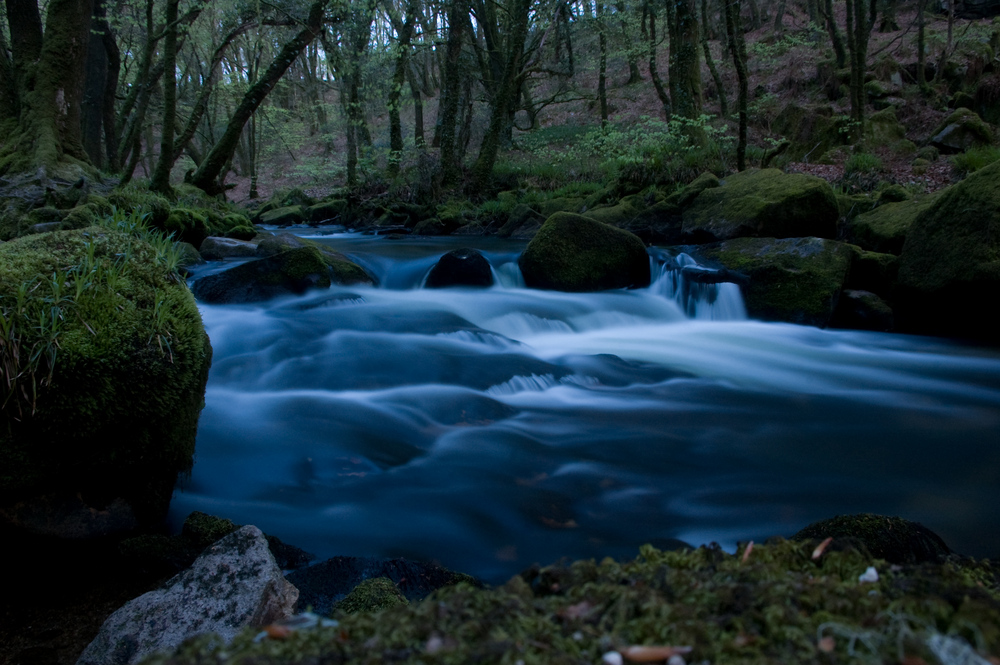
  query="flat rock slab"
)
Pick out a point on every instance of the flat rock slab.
point(234, 584)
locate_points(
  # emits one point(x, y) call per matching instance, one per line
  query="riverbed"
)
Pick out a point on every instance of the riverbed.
point(489, 429)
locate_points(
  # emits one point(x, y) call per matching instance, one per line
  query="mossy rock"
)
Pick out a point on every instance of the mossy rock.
point(115, 422)
point(523, 223)
point(960, 131)
point(132, 198)
point(873, 271)
point(883, 129)
point(862, 310)
point(290, 272)
point(327, 211)
point(812, 131)
point(620, 214)
point(202, 529)
point(342, 270)
point(852, 205)
point(797, 280)
point(575, 253)
point(372, 595)
point(950, 264)
point(188, 225)
point(769, 605)
point(891, 538)
point(763, 203)
point(884, 229)
point(549, 207)
point(286, 216)
point(683, 197)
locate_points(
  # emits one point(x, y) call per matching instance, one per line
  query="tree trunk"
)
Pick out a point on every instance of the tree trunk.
point(723, 100)
point(161, 175)
point(457, 19)
point(207, 177)
point(504, 99)
point(8, 84)
point(50, 82)
point(835, 39)
point(602, 78)
point(737, 45)
point(921, 46)
point(654, 75)
point(405, 31)
point(418, 111)
point(685, 70)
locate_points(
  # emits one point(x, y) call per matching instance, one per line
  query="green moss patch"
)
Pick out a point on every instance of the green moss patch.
point(771, 603)
point(884, 229)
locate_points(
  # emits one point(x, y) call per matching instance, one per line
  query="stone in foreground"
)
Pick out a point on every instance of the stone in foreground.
point(234, 584)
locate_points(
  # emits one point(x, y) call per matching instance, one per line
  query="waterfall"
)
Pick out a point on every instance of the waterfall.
point(700, 292)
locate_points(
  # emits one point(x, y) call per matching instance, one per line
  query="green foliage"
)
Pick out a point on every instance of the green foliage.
point(974, 159)
point(762, 50)
point(863, 163)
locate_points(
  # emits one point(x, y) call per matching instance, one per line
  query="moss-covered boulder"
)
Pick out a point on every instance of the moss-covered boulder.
point(523, 223)
point(770, 604)
point(460, 267)
point(96, 427)
point(372, 595)
point(960, 131)
point(285, 216)
point(215, 248)
point(884, 228)
point(798, 280)
point(891, 538)
point(342, 270)
point(290, 272)
point(949, 270)
point(763, 203)
point(575, 253)
point(811, 130)
point(327, 211)
point(188, 225)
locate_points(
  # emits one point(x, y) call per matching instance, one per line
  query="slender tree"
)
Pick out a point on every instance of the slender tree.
point(737, 46)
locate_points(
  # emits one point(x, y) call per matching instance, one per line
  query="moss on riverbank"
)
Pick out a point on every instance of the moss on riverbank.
point(771, 604)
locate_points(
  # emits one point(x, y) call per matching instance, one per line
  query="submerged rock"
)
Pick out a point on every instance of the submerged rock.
point(765, 203)
point(575, 253)
point(460, 267)
point(235, 584)
point(214, 248)
point(290, 272)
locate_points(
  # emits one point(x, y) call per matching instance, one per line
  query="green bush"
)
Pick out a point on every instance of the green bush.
point(974, 159)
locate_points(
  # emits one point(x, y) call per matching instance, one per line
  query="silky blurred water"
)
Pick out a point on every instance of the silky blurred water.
point(492, 429)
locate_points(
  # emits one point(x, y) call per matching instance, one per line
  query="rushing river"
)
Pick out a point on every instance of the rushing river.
point(491, 429)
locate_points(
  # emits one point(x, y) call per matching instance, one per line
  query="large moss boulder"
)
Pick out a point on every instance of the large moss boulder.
point(884, 229)
point(960, 131)
point(798, 280)
point(95, 430)
point(763, 203)
point(949, 272)
point(342, 269)
point(575, 253)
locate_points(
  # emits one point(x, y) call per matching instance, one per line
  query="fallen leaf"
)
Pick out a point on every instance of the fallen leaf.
point(651, 654)
point(746, 552)
point(826, 645)
point(818, 552)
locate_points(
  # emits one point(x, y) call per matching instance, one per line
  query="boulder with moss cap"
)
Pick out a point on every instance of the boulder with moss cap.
point(116, 402)
point(765, 203)
point(575, 253)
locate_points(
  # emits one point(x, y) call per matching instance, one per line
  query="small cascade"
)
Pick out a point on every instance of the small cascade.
point(702, 293)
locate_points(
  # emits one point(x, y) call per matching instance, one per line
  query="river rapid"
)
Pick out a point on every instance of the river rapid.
point(492, 429)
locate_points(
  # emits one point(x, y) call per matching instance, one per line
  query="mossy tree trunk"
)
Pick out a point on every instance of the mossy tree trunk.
point(921, 46)
point(602, 73)
point(49, 70)
point(710, 61)
point(210, 173)
point(160, 181)
point(859, 25)
point(98, 114)
point(359, 34)
point(504, 100)
point(404, 32)
point(836, 40)
point(448, 125)
point(654, 73)
point(8, 85)
point(685, 68)
point(738, 47)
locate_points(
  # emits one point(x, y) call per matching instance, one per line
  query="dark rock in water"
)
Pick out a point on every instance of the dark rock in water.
point(862, 310)
point(575, 253)
point(949, 270)
point(291, 272)
point(522, 223)
point(460, 267)
point(891, 538)
point(234, 584)
point(765, 203)
point(798, 280)
point(324, 584)
point(214, 248)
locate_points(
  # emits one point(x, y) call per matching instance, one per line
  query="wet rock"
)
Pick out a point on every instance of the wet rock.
point(765, 203)
point(862, 310)
point(460, 267)
point(342, 269)
point(884, 229)
point(798, 280)
point(523, 223)
point(234, 584)
point(891, 538)
point(576, 253)
point(291, 272)
point(286, 216)
point(949, 268)
point(214, 248)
